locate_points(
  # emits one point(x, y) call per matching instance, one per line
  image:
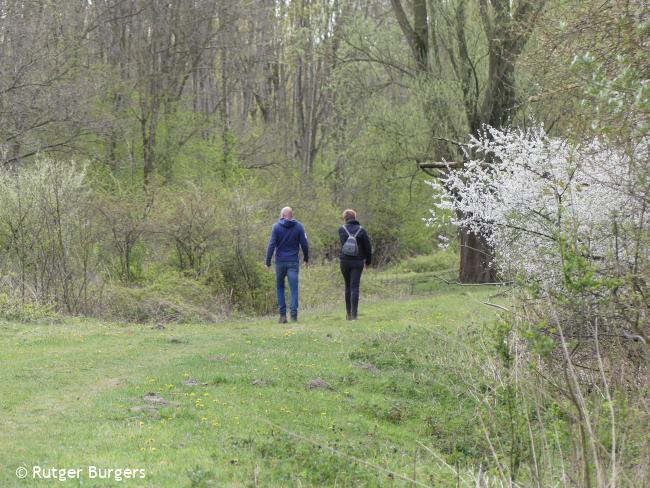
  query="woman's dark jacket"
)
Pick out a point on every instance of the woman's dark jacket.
point(363, 242)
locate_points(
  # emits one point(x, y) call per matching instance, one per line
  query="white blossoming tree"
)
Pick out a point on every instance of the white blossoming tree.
point(538, 191)
point(568, 219)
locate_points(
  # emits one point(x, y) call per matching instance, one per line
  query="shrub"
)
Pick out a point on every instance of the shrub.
point(124, 212)
point(13, 309)
point(247, 285)
point(189, 218)
point(165, 295)
point(47, 226)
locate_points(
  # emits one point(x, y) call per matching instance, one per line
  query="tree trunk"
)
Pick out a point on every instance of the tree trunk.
point(475, 259)
point(421, 30)
point(225, 116)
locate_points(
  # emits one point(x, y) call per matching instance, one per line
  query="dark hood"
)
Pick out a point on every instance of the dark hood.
point(287, 223)
point(352, 222)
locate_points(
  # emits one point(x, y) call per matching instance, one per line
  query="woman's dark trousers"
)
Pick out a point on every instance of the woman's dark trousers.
point(351, 270)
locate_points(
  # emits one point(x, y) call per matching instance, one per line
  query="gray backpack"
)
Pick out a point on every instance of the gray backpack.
point(350, 246)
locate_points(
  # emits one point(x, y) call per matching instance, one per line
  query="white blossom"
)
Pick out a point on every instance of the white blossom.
point(525, 190)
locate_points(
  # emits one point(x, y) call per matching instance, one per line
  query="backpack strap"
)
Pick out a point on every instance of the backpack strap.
point(350, 235)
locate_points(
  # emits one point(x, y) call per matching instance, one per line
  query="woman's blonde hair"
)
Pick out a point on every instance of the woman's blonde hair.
point(349, 214)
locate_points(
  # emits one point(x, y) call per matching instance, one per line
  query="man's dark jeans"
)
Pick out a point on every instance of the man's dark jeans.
point(289, 269)
point(352, 270)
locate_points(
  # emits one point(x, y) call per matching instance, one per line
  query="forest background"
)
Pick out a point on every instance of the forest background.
point(153, 142)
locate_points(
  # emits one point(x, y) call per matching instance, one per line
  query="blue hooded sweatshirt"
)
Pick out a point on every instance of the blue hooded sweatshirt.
point(286, 237)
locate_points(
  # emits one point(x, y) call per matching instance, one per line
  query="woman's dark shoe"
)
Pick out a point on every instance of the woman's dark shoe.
point(294, 318)
point(282, 319)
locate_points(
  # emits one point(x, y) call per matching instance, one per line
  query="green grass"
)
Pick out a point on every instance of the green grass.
point(67, 390)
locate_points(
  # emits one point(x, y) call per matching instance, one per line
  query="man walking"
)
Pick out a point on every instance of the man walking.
point(287, 236)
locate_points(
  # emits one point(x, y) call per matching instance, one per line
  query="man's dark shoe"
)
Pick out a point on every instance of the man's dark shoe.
point(282, 319)
point(348, 316)
point(294, 318)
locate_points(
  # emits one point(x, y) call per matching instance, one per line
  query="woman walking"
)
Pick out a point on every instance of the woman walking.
point(356, 254)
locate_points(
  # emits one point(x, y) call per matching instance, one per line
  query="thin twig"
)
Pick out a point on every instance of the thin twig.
point(497, 306)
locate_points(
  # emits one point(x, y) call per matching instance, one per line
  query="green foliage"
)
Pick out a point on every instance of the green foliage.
point(247, 285)
point(502, 337)
point(200, 477)
point(123, 209)
point(48, 228)
point(13, 309)
point(507, 426)
point(539, 338)
point(438, 262)
point(190, 218)
point(164, 295)
point(579, 272)
point(619, 87)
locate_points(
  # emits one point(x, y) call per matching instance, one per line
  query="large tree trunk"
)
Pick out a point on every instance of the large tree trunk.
point(475, 259)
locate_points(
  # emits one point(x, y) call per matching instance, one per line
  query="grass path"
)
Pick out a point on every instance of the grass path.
point(68, 392)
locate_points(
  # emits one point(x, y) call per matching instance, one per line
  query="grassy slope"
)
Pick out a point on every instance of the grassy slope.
point(66, 393)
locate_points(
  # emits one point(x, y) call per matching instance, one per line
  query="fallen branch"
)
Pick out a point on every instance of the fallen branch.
point(441, 165)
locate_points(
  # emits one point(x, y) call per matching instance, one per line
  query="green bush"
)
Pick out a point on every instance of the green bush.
point(165, 295)
point(246, 286)
point(12, 309)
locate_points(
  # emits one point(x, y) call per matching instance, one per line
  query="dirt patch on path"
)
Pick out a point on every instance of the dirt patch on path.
point(193, 382)
point(153, 402)
point(216, 357)
point(371, 368)
point(157, 400)
point(318, 384)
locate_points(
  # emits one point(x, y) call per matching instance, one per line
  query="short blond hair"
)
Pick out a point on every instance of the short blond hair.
point(349, 214)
